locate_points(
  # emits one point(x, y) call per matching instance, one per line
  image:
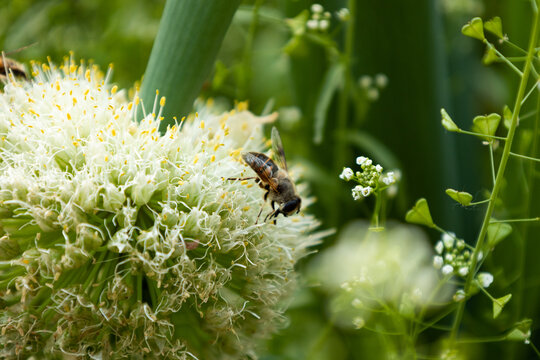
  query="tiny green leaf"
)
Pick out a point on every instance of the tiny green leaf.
point(494, 26)
point(462, 197)
point(486, 124)
point(507, 115)
point(474, 29)
point(521, 331)
point(447, 122)
point(497, 232)
point(498, 304)
point(420, 214)
point(490, 56)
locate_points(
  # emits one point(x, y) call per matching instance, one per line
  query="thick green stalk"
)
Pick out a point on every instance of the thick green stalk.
point(187, 43)
point(500, 173)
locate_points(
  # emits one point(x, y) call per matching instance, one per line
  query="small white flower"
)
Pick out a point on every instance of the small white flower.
point(312, 24)
point(343, 14)
point(485, 279)
point(480, 255)
point(324, 24)
point(373, 94)
point(367, 191)
point(448, 240)
point(439, 247)
point(389, 178)
point(365, 81)
point(463, 271)
point(381, 80)
point(357, 303)
point(449, 257)
point(438, 262)
point(378, 168)
point(361, 160)
point(359, 322)
point(357, 192)
point(447, 269)
point(459, 295)
point(346, 174)
point(317, 8)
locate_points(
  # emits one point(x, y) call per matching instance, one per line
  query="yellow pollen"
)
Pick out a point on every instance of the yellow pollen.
point(249, 185)
point(106, 158)
point(162, 101)
point(87, 74)
point(114, 89)
point(245, 208)
point(113, 132)
point(196, 159)
point(244, 182)
point(213, 158)
point(86, 92)
point(68, 116)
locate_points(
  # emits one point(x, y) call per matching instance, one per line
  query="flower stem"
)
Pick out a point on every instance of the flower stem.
point(500, 174)
point(341, 146)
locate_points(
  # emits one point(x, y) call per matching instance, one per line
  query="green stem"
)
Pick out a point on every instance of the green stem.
point(524, 156)
point(515, 220)
point(344, 95)
point(500, 176)
point(461, 131)
point(245, 72)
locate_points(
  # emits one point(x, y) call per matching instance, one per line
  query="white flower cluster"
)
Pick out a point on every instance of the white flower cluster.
point(370, 179)
point(454, 258)
point(121, 239)
point(320, 19)
point(372, 85)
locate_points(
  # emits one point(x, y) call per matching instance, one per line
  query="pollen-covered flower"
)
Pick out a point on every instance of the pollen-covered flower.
point(115, 239)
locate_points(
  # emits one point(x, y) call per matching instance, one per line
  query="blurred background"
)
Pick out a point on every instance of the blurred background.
point(374, 91)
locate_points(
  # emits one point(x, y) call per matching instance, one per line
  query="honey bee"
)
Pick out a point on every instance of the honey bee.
point(8, 65)
point(274, 179)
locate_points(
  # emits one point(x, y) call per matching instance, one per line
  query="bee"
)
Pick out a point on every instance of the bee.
point(274, 179)
point(8, 65)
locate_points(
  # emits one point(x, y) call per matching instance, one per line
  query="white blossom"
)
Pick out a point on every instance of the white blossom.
point(448, 239)
point(447, 269)
point(317, 8)
point(439, 247)
point(312, 24)
point(343, 14)
point(357, 192)
point(381, 80)
point(459, 295)
point(346, 174)
point(366, 191)
point(324, 24)
point(378, 168)
point(485, 279)
point(438, 262)
point(389, 178)
point(365, 81)
point(463, 271)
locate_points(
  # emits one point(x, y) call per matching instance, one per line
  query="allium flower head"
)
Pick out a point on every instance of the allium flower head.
point(115, 239)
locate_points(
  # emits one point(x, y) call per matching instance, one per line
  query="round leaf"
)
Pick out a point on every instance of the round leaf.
point(486, 124)
point(462, 197)
point(474, 29)
point(498, 304)
point(447, 122)
point(494, 26)
point(420, 214)
point(497, 232)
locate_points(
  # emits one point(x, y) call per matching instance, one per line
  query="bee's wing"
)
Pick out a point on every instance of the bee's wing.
point(263, 166)
point(277, 148)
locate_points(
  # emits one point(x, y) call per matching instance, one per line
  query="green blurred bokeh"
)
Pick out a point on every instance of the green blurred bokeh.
point(429, 65)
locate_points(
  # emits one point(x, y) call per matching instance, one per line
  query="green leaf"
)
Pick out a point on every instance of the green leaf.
point(490, 56)
point(189, 37)
point(497, 232)
point(494, 26)
point(447, 122)
point(521, 331)
point(498, 304)
point(333, 80)
point(507, 115)
point(486, 124)
point(474, 29)
point(462, 197)
point(420, 214)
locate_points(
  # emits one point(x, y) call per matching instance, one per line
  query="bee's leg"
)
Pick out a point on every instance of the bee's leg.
point(262, 207)
point(246, 178)
point(273, 213)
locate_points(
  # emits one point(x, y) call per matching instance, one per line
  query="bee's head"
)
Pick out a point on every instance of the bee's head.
point(292, 206)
